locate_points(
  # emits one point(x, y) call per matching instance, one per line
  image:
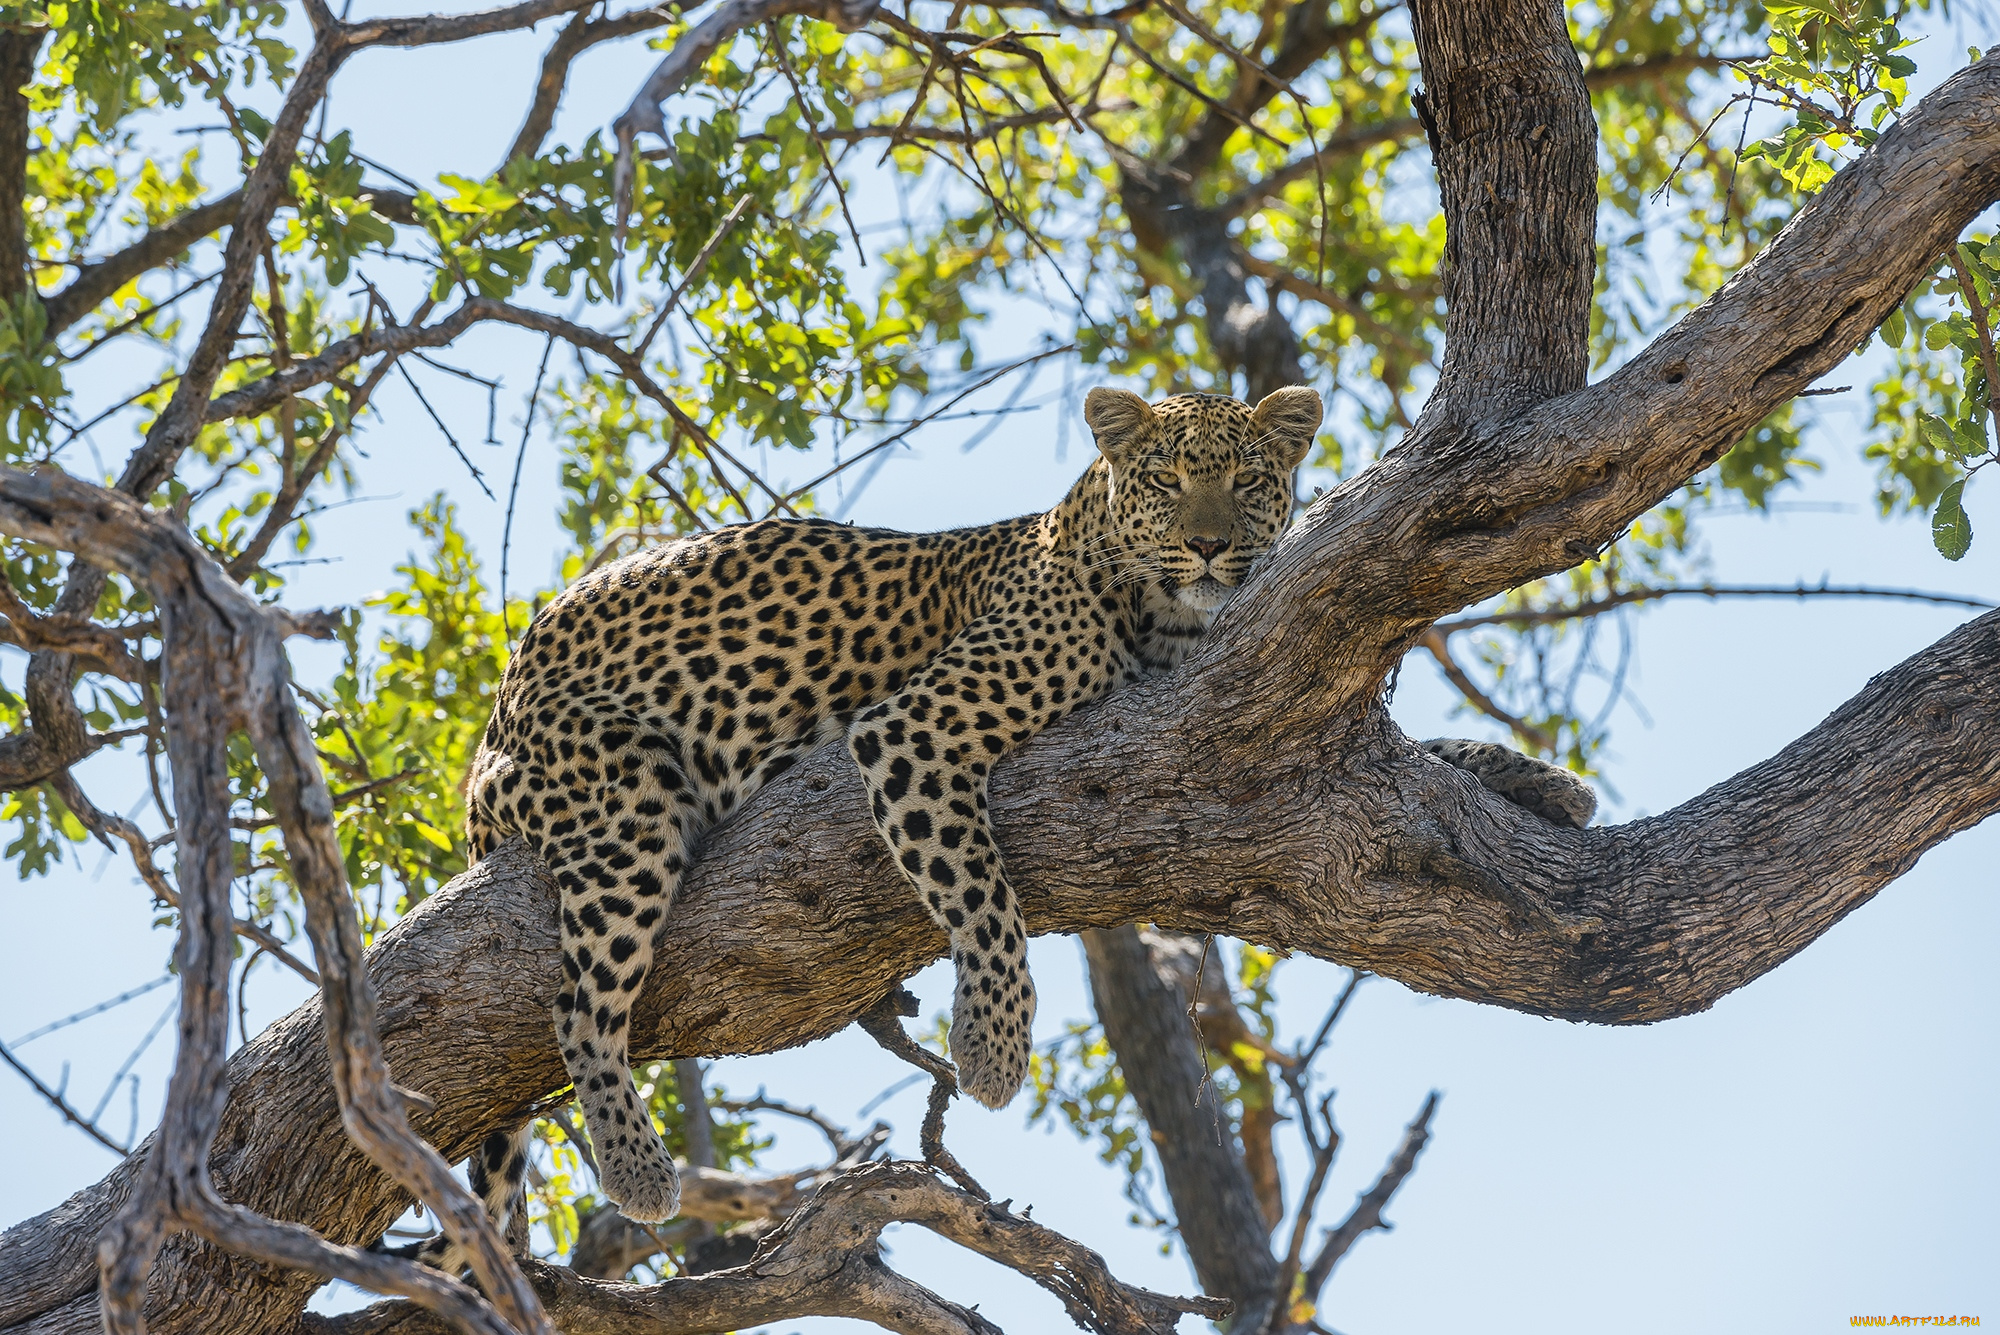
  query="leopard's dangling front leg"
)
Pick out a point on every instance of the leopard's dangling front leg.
point(924, 756)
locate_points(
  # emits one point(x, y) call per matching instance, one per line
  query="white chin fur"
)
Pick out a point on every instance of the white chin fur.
point(1206, 594)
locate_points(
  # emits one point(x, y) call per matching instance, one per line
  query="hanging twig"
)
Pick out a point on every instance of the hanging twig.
point(887, 441)
point(805, 115)
point(90, 1011)
point(693, 272)
point(514, 487)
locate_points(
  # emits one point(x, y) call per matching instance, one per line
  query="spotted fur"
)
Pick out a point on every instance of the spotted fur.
point(654, 696)
point(1556, 795)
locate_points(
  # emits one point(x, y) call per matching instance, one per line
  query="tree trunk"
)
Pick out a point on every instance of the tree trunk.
point(1145, 1021)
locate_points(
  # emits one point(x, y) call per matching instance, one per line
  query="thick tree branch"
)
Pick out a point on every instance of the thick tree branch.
point(97, 280)
point(1516, 160)
point(437, 29)
point(96, 648)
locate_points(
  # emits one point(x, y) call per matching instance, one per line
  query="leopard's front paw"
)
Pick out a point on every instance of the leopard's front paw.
point(641, 1179)
point(991, 1026)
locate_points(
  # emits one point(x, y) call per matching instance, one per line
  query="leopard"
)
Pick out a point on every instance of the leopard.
point(652, 698)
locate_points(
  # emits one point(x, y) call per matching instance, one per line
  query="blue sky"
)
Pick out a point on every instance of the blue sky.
point(1816, 1146)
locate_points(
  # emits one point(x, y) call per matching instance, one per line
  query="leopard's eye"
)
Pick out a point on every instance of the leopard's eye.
point(1166, 481)
point(1246, 481)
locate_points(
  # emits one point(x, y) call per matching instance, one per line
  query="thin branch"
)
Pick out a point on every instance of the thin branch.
point(89, 1011)
point(646, 113)
point(62, 1105)
point(484, 308)
point(1367, 1212)
point(132, 321)
point(1433, 641)
point(1305, 1057)
point(284, 506)
point(1983, 327)
point(449, 439)
point(514, 487)
point(904, 434)
point(836, 1135)
point(882, 1025)
point(695, 267)
point(1323, 1152)
point(578, 35)
point(1521, 620)
point(108, 826)
point(96, 280)
point(784, 60)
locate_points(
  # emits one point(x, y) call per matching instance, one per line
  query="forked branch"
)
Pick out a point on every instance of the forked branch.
point(826, 1261)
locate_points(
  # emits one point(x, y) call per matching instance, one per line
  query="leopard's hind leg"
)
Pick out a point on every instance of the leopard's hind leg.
point(497, 1173)
point(1551, 792)
point(618, 855)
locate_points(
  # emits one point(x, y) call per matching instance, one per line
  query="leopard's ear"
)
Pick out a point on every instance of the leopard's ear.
point(1118, 418)
point(1286, 420)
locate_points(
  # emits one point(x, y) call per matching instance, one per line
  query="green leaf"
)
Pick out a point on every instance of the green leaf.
point(1895, 329)
point(1936, 432)
point(1938, 337)
point(1968, 438)
point(1951, 531)
point(438, 837)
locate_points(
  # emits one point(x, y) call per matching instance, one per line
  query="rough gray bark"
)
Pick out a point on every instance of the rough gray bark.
point(1515, 148)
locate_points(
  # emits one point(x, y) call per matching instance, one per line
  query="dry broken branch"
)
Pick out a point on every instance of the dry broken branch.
point(825, 1262)
point(224, 670)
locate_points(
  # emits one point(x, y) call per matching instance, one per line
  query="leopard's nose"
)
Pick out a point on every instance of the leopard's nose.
point(1208, 548)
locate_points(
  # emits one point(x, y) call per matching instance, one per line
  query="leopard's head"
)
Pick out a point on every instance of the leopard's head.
point(1201, 485)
